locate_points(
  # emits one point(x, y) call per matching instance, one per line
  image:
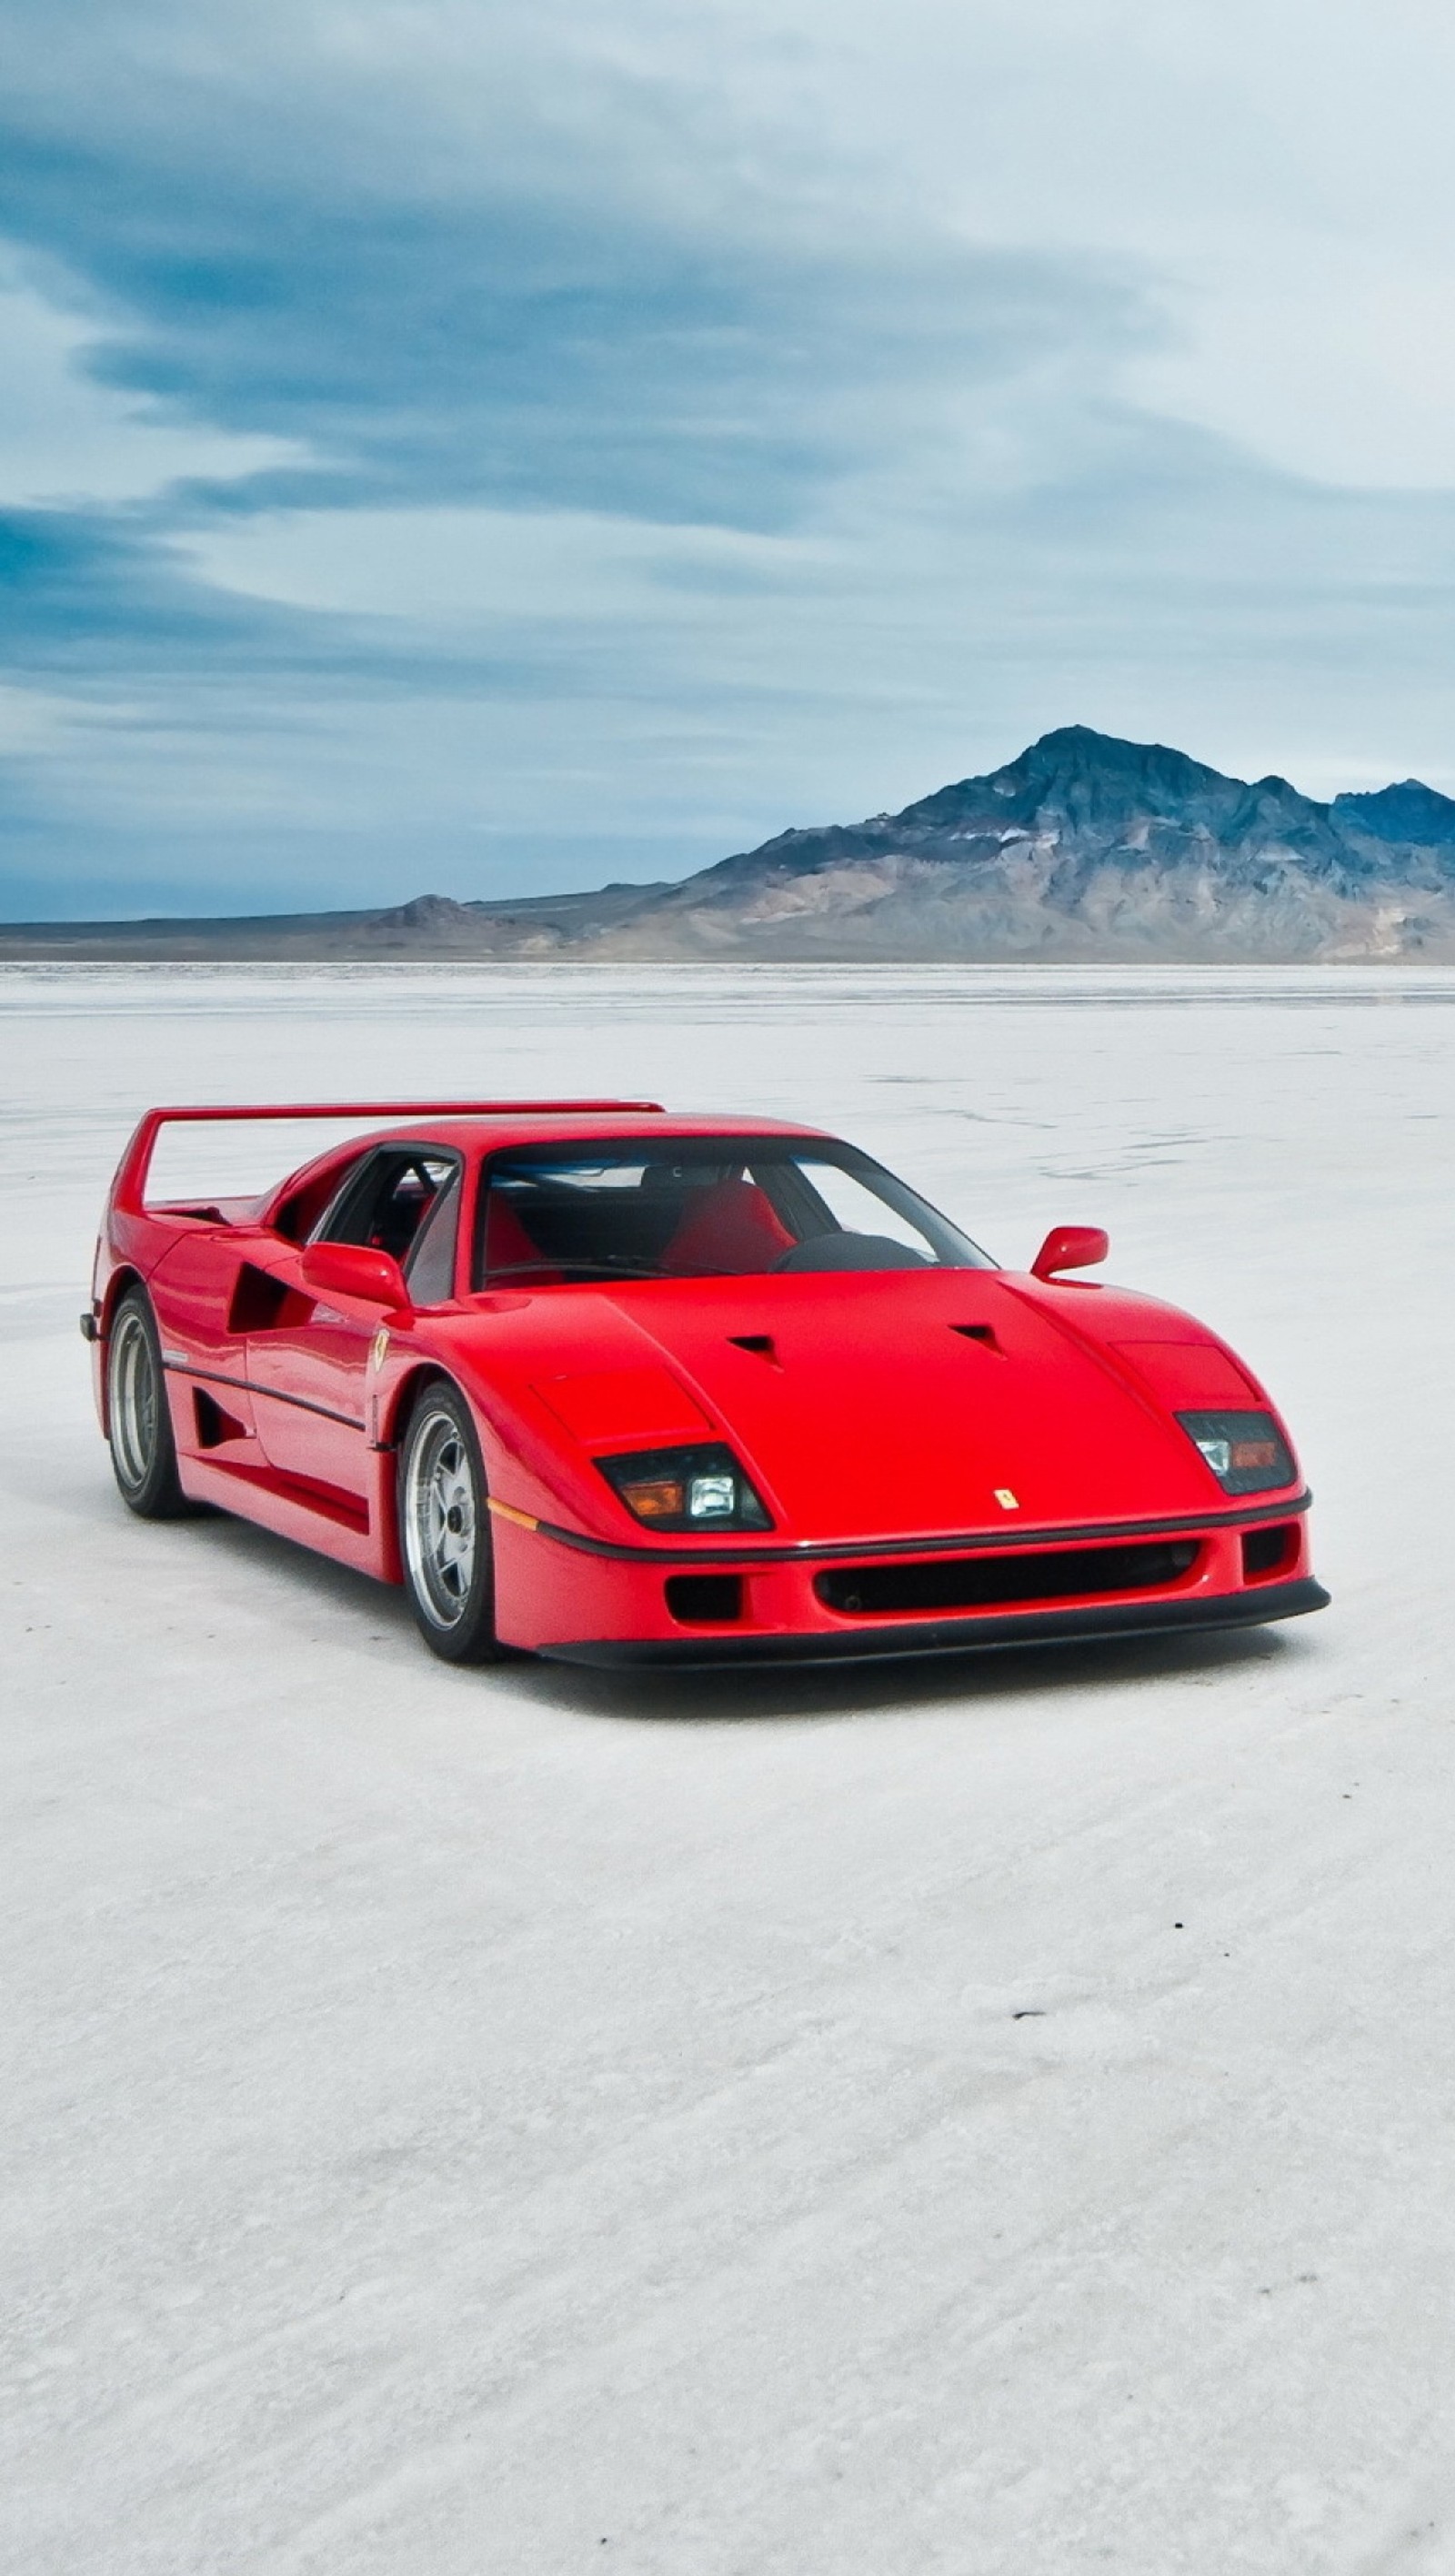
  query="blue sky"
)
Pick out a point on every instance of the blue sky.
point(454, 448)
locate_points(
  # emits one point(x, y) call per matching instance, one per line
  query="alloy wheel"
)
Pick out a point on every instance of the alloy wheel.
point(135, 1396)
point(441, 1518)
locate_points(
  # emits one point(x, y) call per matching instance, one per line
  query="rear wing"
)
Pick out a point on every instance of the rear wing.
point(128, 1190)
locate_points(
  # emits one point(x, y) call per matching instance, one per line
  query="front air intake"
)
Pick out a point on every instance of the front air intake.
point(985, 1582)
point(1267, 1552)
point(705, 1600)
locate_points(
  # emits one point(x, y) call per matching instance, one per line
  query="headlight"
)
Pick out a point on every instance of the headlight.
point(686, 1489)
point(1246, 1451)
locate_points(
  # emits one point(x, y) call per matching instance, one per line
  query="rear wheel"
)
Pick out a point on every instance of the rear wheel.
point(143, 1450)
point(444, 1530)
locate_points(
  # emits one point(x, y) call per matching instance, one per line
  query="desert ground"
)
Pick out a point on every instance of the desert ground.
point(992, 2117)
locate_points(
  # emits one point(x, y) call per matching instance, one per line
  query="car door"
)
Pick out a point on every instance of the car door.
point(309, 1367)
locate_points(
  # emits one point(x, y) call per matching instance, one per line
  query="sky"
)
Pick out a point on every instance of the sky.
point(455, 448)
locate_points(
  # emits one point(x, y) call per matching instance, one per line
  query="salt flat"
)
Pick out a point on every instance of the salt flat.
point(459, 2123)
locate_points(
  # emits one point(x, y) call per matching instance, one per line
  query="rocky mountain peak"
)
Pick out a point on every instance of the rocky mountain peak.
point(424, 912)
point(1410, 811)
point(1076, 758)
point(1086, 779)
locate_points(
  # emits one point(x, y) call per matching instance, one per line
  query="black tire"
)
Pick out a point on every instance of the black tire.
point(139, 1420)
point(444, 1529)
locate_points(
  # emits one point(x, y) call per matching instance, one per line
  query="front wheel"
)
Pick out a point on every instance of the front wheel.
point(444, 1527)
point(139, 1422)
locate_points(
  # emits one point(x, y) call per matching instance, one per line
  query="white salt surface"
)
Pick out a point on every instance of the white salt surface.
point(459, 2123)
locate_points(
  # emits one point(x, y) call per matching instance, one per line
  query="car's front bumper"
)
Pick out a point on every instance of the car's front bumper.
point(974, 1634)
point(588, 1601)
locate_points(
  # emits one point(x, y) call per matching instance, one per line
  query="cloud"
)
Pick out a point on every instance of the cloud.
point(506, 436)
point(66, 438)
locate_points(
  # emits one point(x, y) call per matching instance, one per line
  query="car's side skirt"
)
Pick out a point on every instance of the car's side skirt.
point(356, 1532)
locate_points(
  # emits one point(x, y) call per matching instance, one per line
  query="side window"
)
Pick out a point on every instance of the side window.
point(431, 1266)
point(386, 1203)
point(300, 1213)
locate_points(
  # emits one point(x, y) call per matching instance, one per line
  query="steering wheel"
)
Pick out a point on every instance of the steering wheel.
point(851, 1252)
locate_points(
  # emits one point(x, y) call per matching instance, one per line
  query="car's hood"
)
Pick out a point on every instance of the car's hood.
point(901, 1404)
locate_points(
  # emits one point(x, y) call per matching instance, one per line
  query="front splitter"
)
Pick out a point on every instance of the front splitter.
point(975, 1635)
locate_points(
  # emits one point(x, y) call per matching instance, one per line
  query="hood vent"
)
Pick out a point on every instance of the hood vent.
point(982, 1333)
point(760, 1345)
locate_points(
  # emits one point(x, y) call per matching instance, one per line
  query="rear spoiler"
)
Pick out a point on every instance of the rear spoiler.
point(128, 1190)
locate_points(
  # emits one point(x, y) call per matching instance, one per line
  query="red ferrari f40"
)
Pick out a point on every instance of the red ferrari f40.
point(602, 1383)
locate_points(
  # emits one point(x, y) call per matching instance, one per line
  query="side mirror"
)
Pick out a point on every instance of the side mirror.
point(1070, 1247)
point(355, 1270)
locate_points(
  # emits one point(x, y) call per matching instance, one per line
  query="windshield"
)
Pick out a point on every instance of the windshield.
point(703, 1207)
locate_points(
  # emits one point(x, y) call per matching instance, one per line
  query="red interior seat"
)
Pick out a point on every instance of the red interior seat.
point(508, 1247)
point(732, 1227)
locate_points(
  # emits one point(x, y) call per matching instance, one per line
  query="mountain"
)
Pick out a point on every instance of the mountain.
point(1409, 812)
point(1085, 848)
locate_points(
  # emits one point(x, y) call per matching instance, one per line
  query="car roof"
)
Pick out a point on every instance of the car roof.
point(564, 1129)
point(473, 1136)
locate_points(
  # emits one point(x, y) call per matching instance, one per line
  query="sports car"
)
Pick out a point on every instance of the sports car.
point(615, 1386)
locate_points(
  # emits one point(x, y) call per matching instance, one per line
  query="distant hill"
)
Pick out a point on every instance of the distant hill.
point(1409, 812)
point(1084, 849)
